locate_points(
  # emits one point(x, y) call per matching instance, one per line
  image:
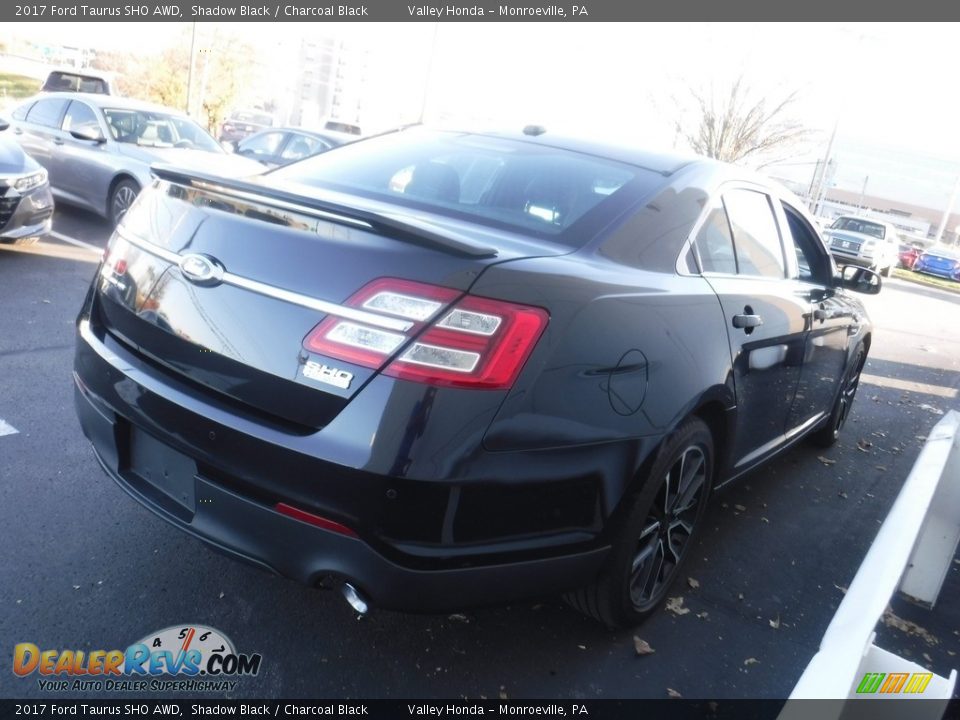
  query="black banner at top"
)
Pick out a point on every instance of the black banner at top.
point(469, 11)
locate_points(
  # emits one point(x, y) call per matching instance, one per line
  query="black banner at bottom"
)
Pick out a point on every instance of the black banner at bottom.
point(672, 709)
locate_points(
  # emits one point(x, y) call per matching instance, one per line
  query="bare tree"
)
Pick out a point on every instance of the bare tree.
point(737, 126)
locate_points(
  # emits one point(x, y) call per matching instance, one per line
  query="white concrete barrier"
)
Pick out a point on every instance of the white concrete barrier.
point(912, 552)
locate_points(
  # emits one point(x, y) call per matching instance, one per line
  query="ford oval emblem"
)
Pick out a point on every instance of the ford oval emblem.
point(201, 270)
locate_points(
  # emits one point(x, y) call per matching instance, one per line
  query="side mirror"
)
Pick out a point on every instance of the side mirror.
point(4, 124)
point(860, 280)
point(88, 133)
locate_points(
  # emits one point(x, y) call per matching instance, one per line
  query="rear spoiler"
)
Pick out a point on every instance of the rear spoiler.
point(400, 227)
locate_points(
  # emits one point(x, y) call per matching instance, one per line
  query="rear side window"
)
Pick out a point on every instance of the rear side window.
point(715, 244)
point(520, 186)
point(21, 112)
point(301, 146)
point(47, 112)
point(755, 233)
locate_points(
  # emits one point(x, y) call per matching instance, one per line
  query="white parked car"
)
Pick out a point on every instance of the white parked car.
point(860, 241)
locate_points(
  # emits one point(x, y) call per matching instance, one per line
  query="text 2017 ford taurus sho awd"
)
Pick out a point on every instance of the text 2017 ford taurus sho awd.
point(445, 369)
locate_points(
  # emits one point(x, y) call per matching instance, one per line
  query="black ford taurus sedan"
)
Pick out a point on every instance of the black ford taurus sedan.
point(444, 369)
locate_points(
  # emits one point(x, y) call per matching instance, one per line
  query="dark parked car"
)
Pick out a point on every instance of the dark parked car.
point(26, 205)
point(446, 369)
point(943, 262)
point(244, 123)
point(282, 146)
point(83, 81)
point(98, 148)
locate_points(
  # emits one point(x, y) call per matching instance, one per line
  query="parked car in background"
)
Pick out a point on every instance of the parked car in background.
point(244, 123)
point(98, 149)
point(908, 255)
point(282, 146)
point(26, 204)
point(85, 81)
point(452, 368)
point(865, 243)
point(943, 262)
point(342, 126)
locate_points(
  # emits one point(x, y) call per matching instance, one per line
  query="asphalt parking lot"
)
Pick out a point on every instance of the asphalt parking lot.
point(82, 566)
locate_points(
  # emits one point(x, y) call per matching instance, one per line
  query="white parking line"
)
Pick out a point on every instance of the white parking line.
point(74, 241)
point(6, 428)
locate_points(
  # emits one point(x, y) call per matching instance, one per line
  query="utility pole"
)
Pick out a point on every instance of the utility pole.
point(946, 213)
point(193, 60)
point(863, 192)
point(428, 82)
point(821, 188)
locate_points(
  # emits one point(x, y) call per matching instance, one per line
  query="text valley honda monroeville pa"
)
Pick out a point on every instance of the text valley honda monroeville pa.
point(448, 368)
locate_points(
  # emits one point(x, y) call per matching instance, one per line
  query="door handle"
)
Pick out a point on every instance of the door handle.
point(58, 141)
point(18, 131)
point(747, 322)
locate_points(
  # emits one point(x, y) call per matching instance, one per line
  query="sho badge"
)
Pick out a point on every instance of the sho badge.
point(326, 374)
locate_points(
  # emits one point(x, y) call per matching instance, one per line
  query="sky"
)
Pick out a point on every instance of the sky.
point(885, 86)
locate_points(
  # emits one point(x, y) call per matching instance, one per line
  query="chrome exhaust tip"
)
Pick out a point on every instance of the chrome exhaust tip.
point(356, 600)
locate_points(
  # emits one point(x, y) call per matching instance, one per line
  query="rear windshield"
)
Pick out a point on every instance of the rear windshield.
point(70, 82)
point(502, 183)
point(861, 226)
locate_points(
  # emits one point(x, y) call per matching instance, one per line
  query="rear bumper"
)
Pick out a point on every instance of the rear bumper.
point(114, 395)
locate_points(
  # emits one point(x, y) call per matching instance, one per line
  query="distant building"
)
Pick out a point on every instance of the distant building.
point(914, 220)
point(332, 78)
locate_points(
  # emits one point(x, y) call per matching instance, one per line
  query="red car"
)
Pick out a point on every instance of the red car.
point(908, 255)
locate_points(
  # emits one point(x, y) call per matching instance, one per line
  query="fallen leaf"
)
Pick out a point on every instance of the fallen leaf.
point(826, 460)
point(841, 588)
point(864, 445)
point(693, 583)
point(927, 657)
point(703, 615)
point(891, 620)
point(842, 494)
point(76, 587)
point(675, 605)
point(739, 596)
point(459, 617)
point(582, 647)
point(881, 468)
point(775, 624)
point(763, 519)
point(642, 646)
point(750, 661)
point(739, 508)
point(503, 693)
point(221, 594)
point(673, 693)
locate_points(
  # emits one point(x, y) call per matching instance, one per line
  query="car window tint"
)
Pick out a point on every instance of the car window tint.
point(755, 233)
point(47, 112)
point(715, 244)
point(80, 117)
point(301, 146)
point(520, 186)
point(812, 258)
point(860, 225)
point(264, 144)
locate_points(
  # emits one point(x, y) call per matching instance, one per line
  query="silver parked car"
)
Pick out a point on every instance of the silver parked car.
point(26, 204)
point(867, 243)
point(98, 149)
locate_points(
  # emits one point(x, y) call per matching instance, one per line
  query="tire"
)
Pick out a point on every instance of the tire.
point(648, 553)
point(122, 196)
point(828, 435)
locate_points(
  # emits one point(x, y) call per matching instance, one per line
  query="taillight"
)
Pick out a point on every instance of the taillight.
point(473, 343)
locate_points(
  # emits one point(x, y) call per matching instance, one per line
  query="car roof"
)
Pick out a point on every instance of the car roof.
point(108, 101)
